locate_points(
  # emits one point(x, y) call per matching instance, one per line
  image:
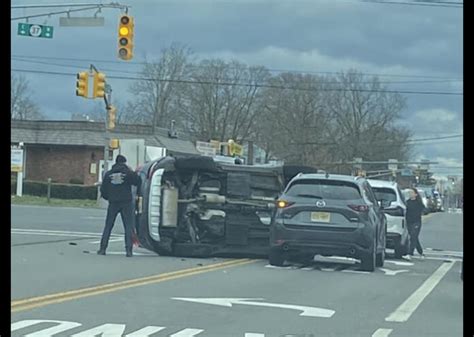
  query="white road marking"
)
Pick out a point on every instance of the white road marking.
point(104, 330)
point(145, 332)
point(253, 334)
point(134, 253)
point(393, 272)
point(356, 271)
point(59, 233)
point(187, 333)
point(227, 302)
point(111, 240)
point(60, 327)
point(382, 333)
point(406, 309)
point(400, 263)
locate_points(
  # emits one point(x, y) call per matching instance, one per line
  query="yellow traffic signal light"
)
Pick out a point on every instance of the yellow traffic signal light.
point(82, 84)
point(125, 37)
point(111, 117)
point(114, 143)
point(99, 85)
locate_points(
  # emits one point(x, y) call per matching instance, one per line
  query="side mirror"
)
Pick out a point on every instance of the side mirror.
point(385, 204)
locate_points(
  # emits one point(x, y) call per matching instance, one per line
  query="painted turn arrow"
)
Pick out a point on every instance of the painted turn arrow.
point(227, 302)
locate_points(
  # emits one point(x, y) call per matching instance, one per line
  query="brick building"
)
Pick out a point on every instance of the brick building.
point(68, 151)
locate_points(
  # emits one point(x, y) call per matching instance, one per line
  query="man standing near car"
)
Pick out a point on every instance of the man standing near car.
point(117, 189)
point(415, 210)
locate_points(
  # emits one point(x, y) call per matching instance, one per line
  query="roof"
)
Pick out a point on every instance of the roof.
point(339, 177)
point(88, 133)
point(382, 183)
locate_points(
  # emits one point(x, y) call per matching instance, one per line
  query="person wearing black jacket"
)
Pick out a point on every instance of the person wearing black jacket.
point(117, 189)
point(415, 210)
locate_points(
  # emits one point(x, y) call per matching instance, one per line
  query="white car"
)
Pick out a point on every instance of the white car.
point(392, 200)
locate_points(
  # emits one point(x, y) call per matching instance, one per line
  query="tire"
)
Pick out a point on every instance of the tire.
point(368, 261)
point(276, 258)
point(400, 250)
point(380, 259)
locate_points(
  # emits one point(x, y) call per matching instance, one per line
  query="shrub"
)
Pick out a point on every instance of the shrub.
point(58, 191)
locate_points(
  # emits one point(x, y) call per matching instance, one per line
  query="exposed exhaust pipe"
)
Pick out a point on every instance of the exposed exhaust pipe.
point(352, 251)
point(286, 247)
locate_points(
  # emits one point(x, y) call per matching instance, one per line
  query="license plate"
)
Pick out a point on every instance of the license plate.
point(320, 217)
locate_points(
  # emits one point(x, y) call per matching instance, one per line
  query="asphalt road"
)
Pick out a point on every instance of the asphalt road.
point(60, 284)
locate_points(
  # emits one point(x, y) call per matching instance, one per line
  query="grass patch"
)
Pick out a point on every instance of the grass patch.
point(43, 201)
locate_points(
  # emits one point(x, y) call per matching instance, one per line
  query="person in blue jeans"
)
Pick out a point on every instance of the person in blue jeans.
point(415, 210)
point(116, 188)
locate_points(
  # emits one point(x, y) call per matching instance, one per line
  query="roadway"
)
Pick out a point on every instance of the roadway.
point(60, 284)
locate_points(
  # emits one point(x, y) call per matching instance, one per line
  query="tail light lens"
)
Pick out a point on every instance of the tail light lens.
point(359, 208)
point(283, 204)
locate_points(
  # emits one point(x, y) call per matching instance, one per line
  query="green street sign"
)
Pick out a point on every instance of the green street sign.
point(34, 30)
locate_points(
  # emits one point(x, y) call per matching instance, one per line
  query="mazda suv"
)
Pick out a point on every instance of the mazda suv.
point(329, 215)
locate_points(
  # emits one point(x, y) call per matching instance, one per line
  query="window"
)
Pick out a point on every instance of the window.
point(385, 193)
point(324, 189)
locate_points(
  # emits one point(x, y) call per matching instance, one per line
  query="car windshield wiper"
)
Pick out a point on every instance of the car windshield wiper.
point(309, 196)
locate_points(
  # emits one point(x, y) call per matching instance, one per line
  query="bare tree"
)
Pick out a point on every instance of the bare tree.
point(364, 116)
point(221, 99)
point(294, 119)
point(22, 106)
point(157, 91)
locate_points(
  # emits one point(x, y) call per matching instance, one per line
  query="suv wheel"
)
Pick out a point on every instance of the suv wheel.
point(380, 259)
point(368, 261)
point(276, 257)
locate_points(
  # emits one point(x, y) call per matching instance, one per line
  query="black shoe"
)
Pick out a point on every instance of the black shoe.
point(101, 252)
point(129, 254)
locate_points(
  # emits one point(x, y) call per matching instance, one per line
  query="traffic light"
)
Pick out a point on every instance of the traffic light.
point(114, 143)
point(99, 85)
point(82, 84)
point(125, 38)
point(111, 117)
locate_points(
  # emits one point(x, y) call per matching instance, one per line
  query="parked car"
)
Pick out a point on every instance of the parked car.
point(328, 215)
point(392, 200)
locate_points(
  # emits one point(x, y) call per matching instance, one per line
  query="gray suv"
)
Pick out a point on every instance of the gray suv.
point(328, 215)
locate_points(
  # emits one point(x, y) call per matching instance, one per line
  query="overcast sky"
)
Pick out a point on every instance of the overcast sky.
point(402, 43)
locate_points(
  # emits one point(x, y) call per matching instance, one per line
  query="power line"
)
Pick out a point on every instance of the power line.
point(256, 85)
point(36, 57)
point(416, 3)
point(138, 72)
point(436, 138)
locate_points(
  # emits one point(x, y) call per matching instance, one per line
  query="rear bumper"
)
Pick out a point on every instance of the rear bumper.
point(347, 242)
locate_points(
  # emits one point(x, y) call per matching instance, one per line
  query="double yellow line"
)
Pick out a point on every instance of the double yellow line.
point(35, 302)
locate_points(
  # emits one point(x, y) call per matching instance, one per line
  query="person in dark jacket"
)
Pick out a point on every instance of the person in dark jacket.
point(117, 189)
point(415, 210)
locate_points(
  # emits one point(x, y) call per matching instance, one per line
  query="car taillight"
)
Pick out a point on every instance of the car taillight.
point(283, 203)
point(359, 208)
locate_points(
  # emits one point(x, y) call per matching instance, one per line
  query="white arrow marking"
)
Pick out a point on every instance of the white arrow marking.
point(187, 333)
point(145, 332)
point(60, 327)
point(392, 272)
point(104, 330)
point(227, 302)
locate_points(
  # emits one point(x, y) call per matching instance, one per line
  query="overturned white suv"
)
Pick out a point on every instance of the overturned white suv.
point(392, 200)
